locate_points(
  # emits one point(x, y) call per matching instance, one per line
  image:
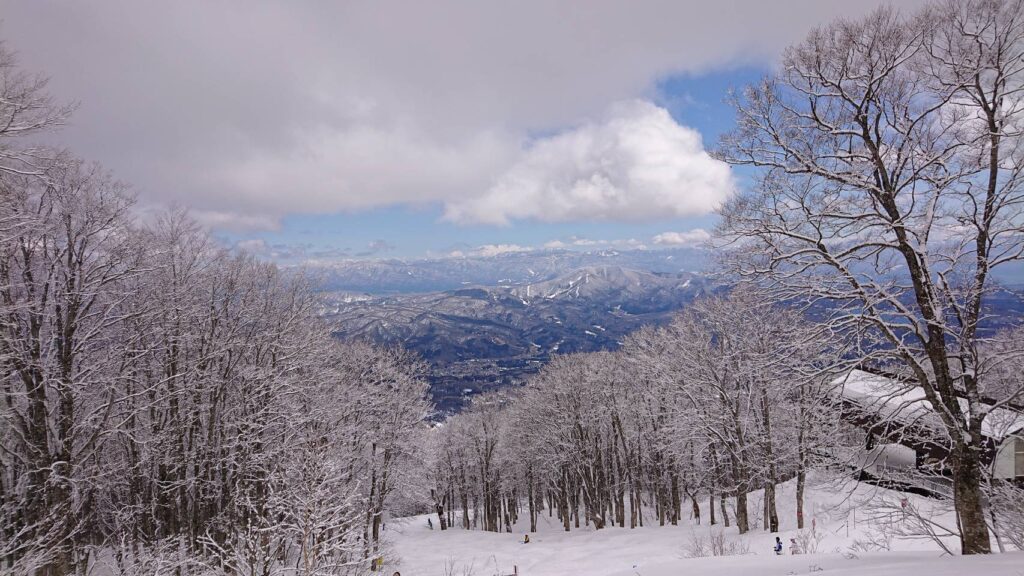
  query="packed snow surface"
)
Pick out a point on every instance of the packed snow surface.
point(842, 516)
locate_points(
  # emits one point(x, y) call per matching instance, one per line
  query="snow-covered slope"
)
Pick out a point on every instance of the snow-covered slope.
point(606, 283)
point(842, 515)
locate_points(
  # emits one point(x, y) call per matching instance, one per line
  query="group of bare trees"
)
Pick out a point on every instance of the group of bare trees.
point(166, 404)
point(732, 397)
point(887, 159)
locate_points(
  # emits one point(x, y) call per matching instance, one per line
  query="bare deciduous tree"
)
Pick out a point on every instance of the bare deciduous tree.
point(26, 109)
point(888, 158)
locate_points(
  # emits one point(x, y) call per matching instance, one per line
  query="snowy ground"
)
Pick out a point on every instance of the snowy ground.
point(842, 514)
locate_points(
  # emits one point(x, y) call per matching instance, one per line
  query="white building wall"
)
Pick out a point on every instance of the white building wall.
point(1009, 461)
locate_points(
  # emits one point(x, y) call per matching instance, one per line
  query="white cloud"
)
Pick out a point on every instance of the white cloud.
point(490, 250)
point(587, 243)
point(252, 246)
point(688, 238)
point(635, 164)
point(262, 109)
point(235, 221)
point(577, 241)
point(364, 166)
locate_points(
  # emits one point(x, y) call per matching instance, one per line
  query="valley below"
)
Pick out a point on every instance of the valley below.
point(478, 338)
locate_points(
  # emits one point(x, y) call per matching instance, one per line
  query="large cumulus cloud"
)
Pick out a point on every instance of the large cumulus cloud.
point(635, 164)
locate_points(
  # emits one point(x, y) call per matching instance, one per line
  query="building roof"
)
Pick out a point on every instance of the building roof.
point(905, 402)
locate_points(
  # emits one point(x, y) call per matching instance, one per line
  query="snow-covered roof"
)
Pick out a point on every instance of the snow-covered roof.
point(905, 402)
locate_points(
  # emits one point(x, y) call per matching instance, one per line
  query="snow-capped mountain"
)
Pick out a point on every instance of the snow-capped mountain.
point(509, 269)
point(480, 337)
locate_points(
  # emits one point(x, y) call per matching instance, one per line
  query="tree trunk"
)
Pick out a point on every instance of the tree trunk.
point(764, 509)
point(530, 497)
point(742, 520)
point(575, 500)
point(725, 511)
point(563, 502)
point(711, 508)
point(970, 507)
point(801, 479)
point(676, 501)
point(442, 521)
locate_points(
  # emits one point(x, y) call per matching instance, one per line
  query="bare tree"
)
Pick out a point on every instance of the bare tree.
point(727, 400)
point(888, 184)
point(180, 405)
point(747, 374)
point(26, 109)
point(61, 289)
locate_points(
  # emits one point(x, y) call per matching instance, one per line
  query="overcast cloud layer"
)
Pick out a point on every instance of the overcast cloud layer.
point(250, 111)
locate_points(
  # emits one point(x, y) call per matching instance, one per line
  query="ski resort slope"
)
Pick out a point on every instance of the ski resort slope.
point(663, 550)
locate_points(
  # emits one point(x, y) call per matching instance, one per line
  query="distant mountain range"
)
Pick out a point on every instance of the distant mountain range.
point(485, 322)
point(508, 269)
point(480, 337)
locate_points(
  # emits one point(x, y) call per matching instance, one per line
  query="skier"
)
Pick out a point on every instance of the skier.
point(526, 538)
point(778, 546)
point(430, 523)
point(794, 548)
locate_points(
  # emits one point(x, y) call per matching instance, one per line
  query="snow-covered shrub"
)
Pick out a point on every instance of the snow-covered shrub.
point(907, 518)
point(715, 544)
point(1007, 503)
point(874, 541)
point(808, 540)
point(452, 568)
point(167, 556)
point(696, 547)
